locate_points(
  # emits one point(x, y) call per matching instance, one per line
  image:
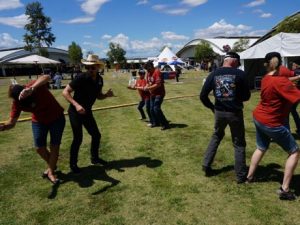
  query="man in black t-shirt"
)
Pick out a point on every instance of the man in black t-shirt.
point(87, 87)
point(230, 89)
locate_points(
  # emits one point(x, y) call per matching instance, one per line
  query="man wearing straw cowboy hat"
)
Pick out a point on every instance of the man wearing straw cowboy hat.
point(87, 87)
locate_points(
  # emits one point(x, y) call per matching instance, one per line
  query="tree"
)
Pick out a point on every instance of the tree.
point(289, 25)
point(240, 45)
point(204, 52)
point(38, 32)
point(116, 54)
point(75, 53)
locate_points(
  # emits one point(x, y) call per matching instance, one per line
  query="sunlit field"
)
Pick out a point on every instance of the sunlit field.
point(154, 176)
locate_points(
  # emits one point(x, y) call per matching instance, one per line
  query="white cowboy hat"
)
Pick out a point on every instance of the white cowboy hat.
point(92, 60)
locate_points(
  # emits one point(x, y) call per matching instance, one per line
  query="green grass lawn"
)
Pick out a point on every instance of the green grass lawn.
point(154, 176)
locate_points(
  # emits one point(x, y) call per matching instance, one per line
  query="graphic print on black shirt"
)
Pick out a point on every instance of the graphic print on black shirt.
point(225, 87)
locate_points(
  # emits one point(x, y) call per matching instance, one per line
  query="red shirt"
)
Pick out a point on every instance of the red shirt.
point(278, 94)
point(156, 78)
point(45, 108)
point(285, 72)
point(142, 83)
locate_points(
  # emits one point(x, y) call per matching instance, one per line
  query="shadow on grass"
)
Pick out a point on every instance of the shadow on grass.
point(177, 125)
point(269, 173)
point(90, 173)
point(85, 179)
point(138, 161)
point(222, 170)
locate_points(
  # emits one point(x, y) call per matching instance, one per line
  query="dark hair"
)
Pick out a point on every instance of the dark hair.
point(14, 93)
point(233, 55)
point(149, 65)
point(142, 72)
point(271, 55)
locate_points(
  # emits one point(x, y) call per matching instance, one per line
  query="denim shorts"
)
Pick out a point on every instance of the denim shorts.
point(281, 135)
point(40, 132)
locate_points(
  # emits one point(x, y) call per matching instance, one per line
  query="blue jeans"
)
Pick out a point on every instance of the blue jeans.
point(281, 135)
point(235, 120)
point(140, 107)
point(40, 132)
point(157, 114)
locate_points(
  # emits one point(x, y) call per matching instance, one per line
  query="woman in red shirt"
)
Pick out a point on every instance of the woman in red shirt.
point(47, 116)
point(278, 94)
point(140, 85)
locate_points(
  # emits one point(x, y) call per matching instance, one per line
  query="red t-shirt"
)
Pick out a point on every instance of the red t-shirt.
point(278, 94)
point(285, 72)
point(142, 83)
point(45, 108)
point(156, 78)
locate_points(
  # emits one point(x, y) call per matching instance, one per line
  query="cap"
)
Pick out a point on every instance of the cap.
point(233, 55)
point(142, 72)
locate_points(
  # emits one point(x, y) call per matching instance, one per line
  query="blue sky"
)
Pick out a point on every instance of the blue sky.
point(143, 27)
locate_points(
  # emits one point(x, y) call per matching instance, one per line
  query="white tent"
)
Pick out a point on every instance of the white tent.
point(166, 56)
point(287, 44)
point(33, 59)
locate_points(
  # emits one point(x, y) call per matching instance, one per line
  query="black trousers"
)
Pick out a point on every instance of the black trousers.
point(88, 122)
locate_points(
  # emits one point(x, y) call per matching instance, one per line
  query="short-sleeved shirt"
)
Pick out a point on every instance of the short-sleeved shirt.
point(156, 78)
point(86, 90)
point(142, 83)
point(45, 109)
point(285, 72)
point(278, 94)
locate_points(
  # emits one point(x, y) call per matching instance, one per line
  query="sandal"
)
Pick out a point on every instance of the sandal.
point(55, 182)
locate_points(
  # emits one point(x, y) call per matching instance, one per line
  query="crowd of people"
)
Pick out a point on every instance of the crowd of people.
point(279, 95)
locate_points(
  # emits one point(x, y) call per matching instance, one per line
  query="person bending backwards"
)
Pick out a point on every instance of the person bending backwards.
point(87, 87)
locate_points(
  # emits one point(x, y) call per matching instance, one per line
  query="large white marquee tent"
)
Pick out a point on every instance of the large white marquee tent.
point(287, 44)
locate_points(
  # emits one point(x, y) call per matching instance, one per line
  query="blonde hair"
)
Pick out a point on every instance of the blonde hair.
point(273, 64)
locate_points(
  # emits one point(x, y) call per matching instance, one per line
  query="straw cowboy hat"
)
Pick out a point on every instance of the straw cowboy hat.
point(92, 60)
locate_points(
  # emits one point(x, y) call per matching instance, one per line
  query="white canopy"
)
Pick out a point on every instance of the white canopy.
point(33, 59)
point(167, 56)
point(287, 44)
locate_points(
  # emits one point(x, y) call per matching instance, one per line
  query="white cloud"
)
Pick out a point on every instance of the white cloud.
point(93, 45)
point(193, 3)
point(142, 2)
point(265, 15)
point(15, 21)
point(168, 35)
point(87, 36)
point(7, 41)
point(91, 7)
point(80, 20)
point(168, 10)
point(222, 28)
point(255, 3)
point(159, 7)
point(122, 40)
point(179, 12)
point(262, 13)
point(106, 37)
point(10, 4)
point(144, 46)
